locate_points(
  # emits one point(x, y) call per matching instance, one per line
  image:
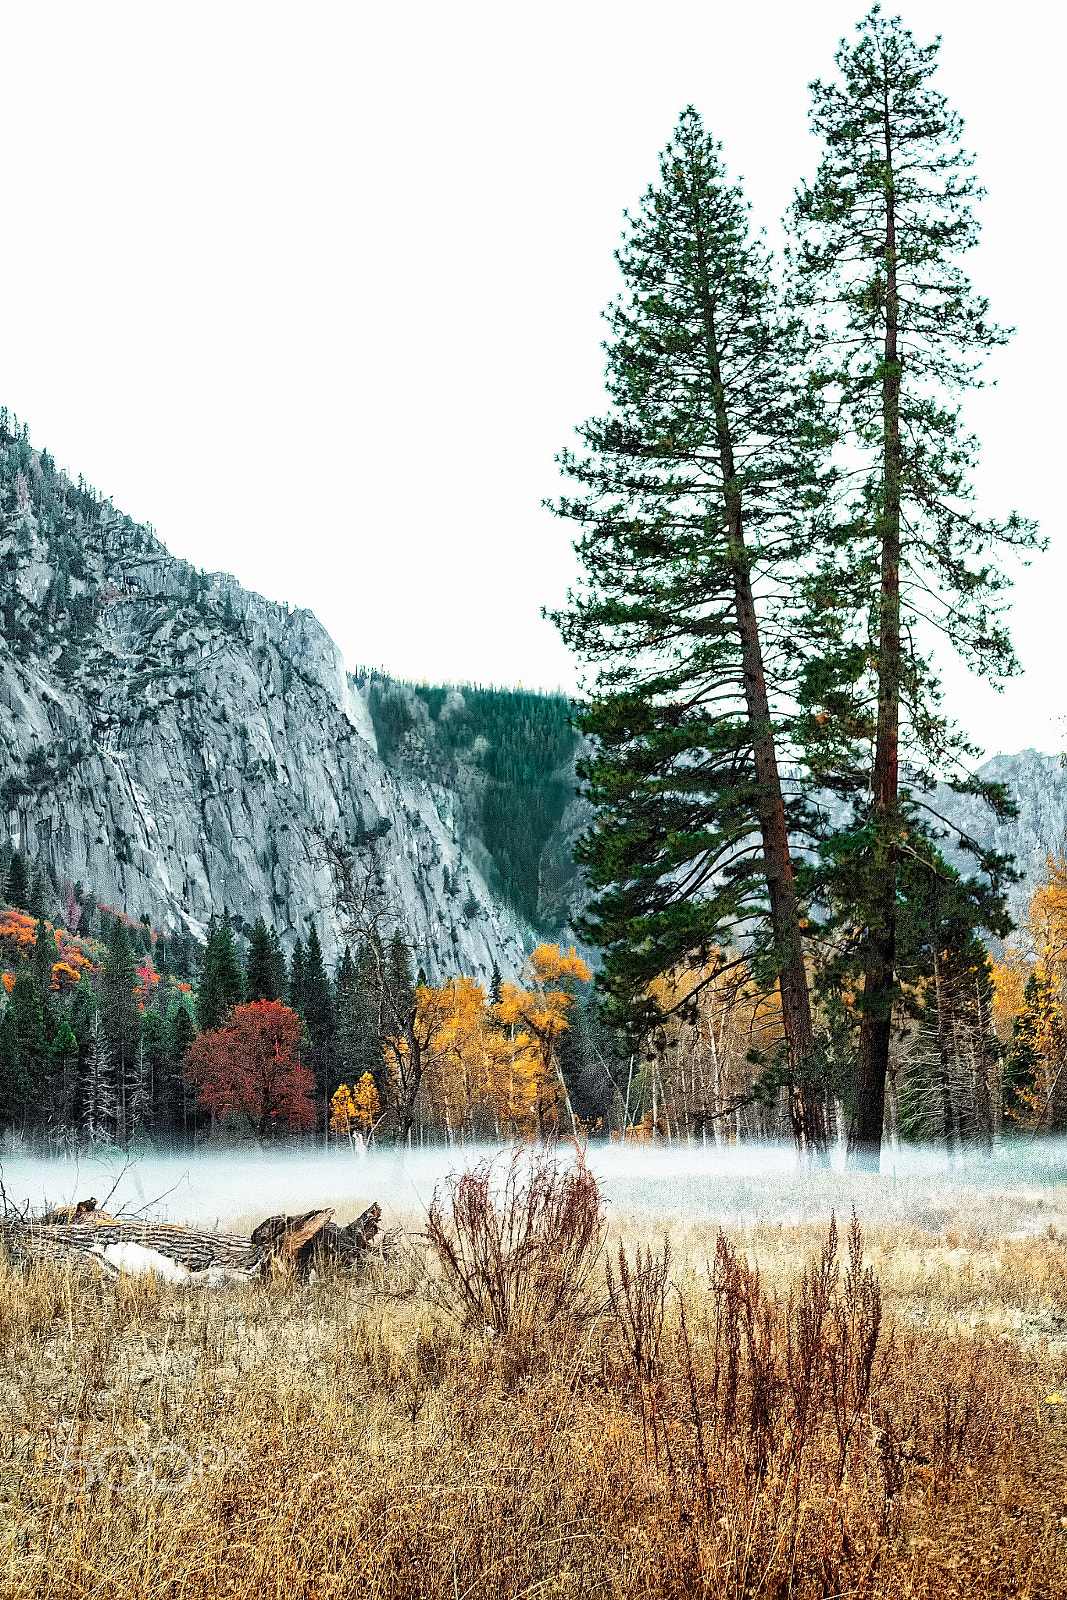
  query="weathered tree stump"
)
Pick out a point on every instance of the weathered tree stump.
point(314, 1239)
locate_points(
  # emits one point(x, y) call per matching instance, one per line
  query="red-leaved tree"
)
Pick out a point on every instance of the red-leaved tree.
point(253, 1066)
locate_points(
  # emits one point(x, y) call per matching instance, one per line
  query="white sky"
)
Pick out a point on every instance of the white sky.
point(315, 288)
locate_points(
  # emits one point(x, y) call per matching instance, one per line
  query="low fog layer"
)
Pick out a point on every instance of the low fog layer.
point(1020, 1189)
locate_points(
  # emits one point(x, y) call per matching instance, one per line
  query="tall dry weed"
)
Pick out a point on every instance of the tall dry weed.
point(518, 1242)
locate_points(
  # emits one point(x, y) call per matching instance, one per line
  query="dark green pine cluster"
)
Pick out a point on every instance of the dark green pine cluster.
point(105, 1061)
point(515, 746)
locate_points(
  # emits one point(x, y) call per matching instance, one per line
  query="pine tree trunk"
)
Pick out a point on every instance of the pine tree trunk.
point(806, 1114)
point(805, 1109)
point(865, 1142)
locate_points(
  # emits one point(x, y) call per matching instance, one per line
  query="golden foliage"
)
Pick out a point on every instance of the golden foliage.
point(342, 1110)
point(355, 1114)
point(1041, 953)
point(491, 1070)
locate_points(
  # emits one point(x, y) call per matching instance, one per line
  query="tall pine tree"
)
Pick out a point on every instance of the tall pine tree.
point(319, 1014)
point(18, 887)
point(221, 984)
point(181, 1031)
point(261, 977)
point(693, 521)
point(121, 1018)
point(296, 978)
point(879, 236)
point(359, 1047)
point(45, 956)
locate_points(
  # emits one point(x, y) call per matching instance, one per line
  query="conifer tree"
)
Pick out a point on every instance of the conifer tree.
point(63, 1090)
point(221, 984)
point(31, 1039)
point(346, 990)
point(880, 232)
point(181, 1031)
point(18, 888)
point(83, 1003)
point(295, 984)
point(45, 956)
point(158, 1115)
point(40, 896)
point(319, 1012)
point(358, 1043)
point(17, 1085)
point(261, 977)
point(279, 979)
point(695, 488)
point(121, 1018)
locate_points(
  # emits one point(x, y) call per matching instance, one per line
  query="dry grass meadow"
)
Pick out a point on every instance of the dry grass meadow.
point(493, 1413)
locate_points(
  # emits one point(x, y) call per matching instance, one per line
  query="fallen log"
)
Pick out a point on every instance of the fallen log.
point(278, 1243)
point(82, 1212)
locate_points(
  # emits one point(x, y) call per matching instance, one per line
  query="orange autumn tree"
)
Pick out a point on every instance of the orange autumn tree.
point(539, 1013)
point(252, 1067)
point(1029, 1006)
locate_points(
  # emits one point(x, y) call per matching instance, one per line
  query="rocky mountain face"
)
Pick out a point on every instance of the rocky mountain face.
point(1038, 785)
point(180, 745)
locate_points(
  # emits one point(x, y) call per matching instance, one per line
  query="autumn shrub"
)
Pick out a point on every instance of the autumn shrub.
point(755, 1385)
point(518, 1242)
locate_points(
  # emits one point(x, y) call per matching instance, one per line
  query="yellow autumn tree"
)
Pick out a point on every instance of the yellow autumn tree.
point(366, 1107)
point(1030, 1003)
point(537, 1014)
point(342, 1111)
point(353, 1115)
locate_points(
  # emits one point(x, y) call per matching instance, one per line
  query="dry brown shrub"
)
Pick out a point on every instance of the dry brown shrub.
point(518, 1242)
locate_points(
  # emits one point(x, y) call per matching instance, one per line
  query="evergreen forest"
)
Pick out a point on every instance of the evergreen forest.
point(510, 752)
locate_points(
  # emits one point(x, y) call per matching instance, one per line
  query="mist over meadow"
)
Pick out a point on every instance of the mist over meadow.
point(1020, 1190)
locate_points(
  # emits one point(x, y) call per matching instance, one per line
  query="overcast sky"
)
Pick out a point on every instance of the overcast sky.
point(316, 288)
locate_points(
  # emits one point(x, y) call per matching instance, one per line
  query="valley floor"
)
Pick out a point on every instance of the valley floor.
point(355, 1436)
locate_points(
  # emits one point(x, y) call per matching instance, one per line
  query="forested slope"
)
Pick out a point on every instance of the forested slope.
point(508, 757)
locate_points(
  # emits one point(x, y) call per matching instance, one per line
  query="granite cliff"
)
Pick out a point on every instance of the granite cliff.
point(179, 744)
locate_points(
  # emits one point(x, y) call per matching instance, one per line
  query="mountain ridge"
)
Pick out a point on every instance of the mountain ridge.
point(180, 744)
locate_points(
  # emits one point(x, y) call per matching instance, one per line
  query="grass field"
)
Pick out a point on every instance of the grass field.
point(745, 1417)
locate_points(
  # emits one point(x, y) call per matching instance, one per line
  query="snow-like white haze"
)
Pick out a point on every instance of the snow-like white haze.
point(1020, 1189)
point(317, 288)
